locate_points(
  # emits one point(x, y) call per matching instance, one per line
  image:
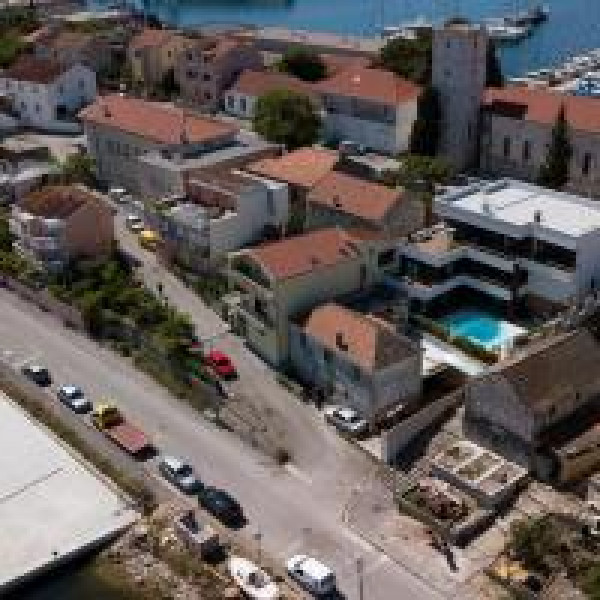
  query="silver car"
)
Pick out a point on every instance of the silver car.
point(179, 473)
point(346, 420)
point(73, 397)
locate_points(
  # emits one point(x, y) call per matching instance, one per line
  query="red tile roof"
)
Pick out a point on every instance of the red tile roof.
point(370, 84)
point(257, 83)
point(302, 254)
point(161, 123)
point(35, 70)
point(302, 167)
point(151, 38)
point(364, 339)
point(348, 194)
point(56, 201)
point(542, 106)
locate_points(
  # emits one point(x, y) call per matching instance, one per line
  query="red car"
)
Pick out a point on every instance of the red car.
point(221, 364)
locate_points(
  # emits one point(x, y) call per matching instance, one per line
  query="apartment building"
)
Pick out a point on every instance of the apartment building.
point(241, 97)
point(370, 107)
point(356, 360)
point(59, 223)
point(210, 65)
point(152, 53)
point(47, 95)
point(343, 200)
point(516, 129)
point(125, 133)
point(282, 279)
point(536, 405)
point(226, 210)
point(513, 241)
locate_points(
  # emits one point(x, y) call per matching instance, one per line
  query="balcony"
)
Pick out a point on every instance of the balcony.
point(247, 275)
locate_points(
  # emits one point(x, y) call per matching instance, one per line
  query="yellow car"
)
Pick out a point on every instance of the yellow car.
point(148, 239)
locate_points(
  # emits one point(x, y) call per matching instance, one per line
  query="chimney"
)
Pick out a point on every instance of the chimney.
point(340, 342)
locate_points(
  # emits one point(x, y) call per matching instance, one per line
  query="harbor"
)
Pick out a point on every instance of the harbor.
point(43, 527)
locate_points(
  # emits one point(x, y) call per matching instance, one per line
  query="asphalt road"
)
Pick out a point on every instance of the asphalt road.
point(297, 509)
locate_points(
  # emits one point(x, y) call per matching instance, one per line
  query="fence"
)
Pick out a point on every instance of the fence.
point(394, 440)
point(70, 315)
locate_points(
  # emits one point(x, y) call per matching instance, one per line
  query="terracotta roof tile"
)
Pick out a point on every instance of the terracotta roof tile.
point(370, 84)
point(162, 123)
point(541, 106)
point(151, 38)
point(302, 167)
point(364, 339)
point(302, 254)
point(257, 83)
point(35, 70)
point(348, 194)
point(57, 201)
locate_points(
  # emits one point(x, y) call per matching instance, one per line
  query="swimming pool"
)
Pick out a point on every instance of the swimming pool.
point(483, 328)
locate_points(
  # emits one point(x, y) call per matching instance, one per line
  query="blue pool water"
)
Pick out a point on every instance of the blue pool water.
point(481, 327)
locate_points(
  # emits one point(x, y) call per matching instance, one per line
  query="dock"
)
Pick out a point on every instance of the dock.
point(53, 507)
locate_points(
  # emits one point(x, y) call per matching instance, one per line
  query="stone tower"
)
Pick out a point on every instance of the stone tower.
point(459, 74)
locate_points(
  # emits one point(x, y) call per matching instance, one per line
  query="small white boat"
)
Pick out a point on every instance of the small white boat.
point(499, 31)
point(252, 580)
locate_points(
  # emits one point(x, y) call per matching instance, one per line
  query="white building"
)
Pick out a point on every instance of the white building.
point(229, 210)
point(370, 107)
point(515, 242)
point(47, 95)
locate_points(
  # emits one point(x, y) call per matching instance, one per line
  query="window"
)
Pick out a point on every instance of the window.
point(448, 44)
point(206, 77)
point(169, 54)
point(270, 203)
point(506, 147)
point(191, 74)
point(61, 89)
point(386, 257)
point(207, 95)
point(81, 84)
point(469, 131)
point(243, 104)
point(138, 54)
point(37, 108)
point(587, 164)
point(190, 56)
point(526, 151)
point(230, 102)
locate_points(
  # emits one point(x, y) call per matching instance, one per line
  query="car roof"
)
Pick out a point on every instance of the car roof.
point(174, 462)
point(314, 568)
point(70, 389)
point(36, 368)
point(217, 354)
point(346, 412)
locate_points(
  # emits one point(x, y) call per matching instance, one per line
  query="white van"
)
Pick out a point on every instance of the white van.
point(312, 575)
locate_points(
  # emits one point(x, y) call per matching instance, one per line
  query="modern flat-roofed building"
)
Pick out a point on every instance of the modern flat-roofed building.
point(513, 241)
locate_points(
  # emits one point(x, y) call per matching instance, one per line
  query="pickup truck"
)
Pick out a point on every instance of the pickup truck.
point(109, 419)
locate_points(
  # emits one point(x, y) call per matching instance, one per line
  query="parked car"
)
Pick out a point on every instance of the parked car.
point(179, 473)
point(73, 397)
point(221, 505)
point(134, 223)
point(312, 575)
point(221, 364)
point(346, 420)
point(38, 374)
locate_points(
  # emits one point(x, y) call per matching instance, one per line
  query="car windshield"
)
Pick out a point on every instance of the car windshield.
point(73, 393)
point(184, 471)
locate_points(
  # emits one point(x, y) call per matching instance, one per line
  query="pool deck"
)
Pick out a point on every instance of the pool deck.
point(439, 352)
point(52, 506)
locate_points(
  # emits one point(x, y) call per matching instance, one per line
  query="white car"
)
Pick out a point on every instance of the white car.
point(179, 473)
point(312, 575)
point(73, 397)
point(346, 420)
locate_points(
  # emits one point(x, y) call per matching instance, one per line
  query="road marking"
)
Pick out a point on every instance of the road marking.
point(298, 474)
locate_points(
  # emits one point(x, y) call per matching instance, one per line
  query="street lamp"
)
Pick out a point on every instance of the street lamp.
point(360, 565)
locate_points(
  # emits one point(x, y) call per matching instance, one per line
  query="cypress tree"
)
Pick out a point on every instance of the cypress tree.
point(554, 173)
point(425, 135)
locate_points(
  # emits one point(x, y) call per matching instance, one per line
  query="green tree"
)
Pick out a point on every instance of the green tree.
point(303, 63)
point(288, 118)
point(425, 134)
point(79, 168)
point(494, 77)
point(410, 59)
point(11, 46)
point(554, 172)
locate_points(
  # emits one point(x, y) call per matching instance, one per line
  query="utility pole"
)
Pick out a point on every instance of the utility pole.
point(360, 564)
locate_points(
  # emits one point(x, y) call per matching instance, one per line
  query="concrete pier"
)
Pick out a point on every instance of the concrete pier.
point(52, 506)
